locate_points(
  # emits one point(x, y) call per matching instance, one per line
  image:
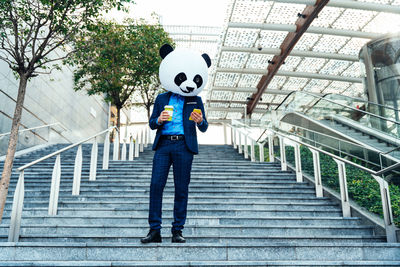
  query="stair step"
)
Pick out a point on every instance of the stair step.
point(200, 252)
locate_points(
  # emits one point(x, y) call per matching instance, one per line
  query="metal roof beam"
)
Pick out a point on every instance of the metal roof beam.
point(293, 28)
point(250, 90)
point(349, 4)
point(296, 74)
point(296, 53)
point(301, 26)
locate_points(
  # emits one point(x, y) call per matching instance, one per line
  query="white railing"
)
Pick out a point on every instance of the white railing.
point(238, 134)
point(142, 140)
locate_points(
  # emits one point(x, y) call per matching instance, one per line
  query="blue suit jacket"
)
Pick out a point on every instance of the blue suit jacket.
point(189, 127)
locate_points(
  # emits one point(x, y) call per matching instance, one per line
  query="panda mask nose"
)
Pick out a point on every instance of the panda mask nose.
point(188, 86)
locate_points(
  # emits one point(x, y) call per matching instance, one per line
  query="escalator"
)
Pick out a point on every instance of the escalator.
point(348, 127)
point(354, 120)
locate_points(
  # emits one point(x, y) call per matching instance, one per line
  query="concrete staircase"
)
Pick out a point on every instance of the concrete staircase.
point(239, 214)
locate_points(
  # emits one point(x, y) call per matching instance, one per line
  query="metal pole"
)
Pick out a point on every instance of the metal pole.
point(252, 152)
point(297, 159)
point(137, 146)
point(141, 140)
point(225, 135)
point(232, 140)
point(235, 145)
point(240, 143)
point(387, 210)
point(93, 162)
point(55, 186)
point(16, 212)
point(261, 152)
point(76, 185)
point(106, 151)
point(246, 148)
point(123, 156)
point(317, 173)
point(116, 147)
point(271, 148)
point(131, 147)
point(344, 194)
point(283, 153)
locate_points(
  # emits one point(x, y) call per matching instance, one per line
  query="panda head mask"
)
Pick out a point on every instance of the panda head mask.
point(183, 71)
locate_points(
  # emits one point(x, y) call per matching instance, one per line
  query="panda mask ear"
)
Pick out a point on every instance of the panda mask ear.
point(165, 50)
point(207, 59)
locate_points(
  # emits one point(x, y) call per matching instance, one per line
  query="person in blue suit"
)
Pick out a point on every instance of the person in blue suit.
point(184, 74)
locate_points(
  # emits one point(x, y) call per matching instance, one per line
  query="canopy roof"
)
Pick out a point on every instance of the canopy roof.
point(325, 59)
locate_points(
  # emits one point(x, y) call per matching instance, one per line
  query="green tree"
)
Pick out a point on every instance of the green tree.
point(147, 93)
point(115, 60)
point(31, 32)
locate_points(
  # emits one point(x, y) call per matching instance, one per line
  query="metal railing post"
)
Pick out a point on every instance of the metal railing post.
point(297, 159)
point(131, 147)
point(225, 135)
point(271, 148)
point(252, 151)
point(137, 146)
point(106, 151)
point(116, 147)
point(387, 210)
point(123, 155)
point(240, 143)
point(283, 153)
point(261, 152)
point(246, 147)
point(93, 162)
point(141, 141)
point(234, 138)
point(317, 173)
point(55, 186)
point(344, 194)
point(76, 185)
point(16, 212)
point(145, 137)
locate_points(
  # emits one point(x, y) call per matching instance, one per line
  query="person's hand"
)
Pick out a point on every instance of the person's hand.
point(164, 116)
point(197, 117)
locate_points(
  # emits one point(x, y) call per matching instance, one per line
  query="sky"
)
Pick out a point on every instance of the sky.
point(180, 12)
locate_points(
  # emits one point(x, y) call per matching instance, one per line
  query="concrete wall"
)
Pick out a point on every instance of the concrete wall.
point(50, 99)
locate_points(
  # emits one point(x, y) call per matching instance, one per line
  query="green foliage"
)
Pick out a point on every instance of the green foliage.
point(362, 187)
point(115, 60)
point(31, 31)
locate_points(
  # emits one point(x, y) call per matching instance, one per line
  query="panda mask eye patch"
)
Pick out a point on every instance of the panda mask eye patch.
point(180, 78)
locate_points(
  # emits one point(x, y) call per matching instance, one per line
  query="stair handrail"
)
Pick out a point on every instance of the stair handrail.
point(363, 100)
point(340, 104)
point(16, 213)
point(377, 175)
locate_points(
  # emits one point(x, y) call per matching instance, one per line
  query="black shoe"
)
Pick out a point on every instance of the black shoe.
point(177, 237)
point(154, 236)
